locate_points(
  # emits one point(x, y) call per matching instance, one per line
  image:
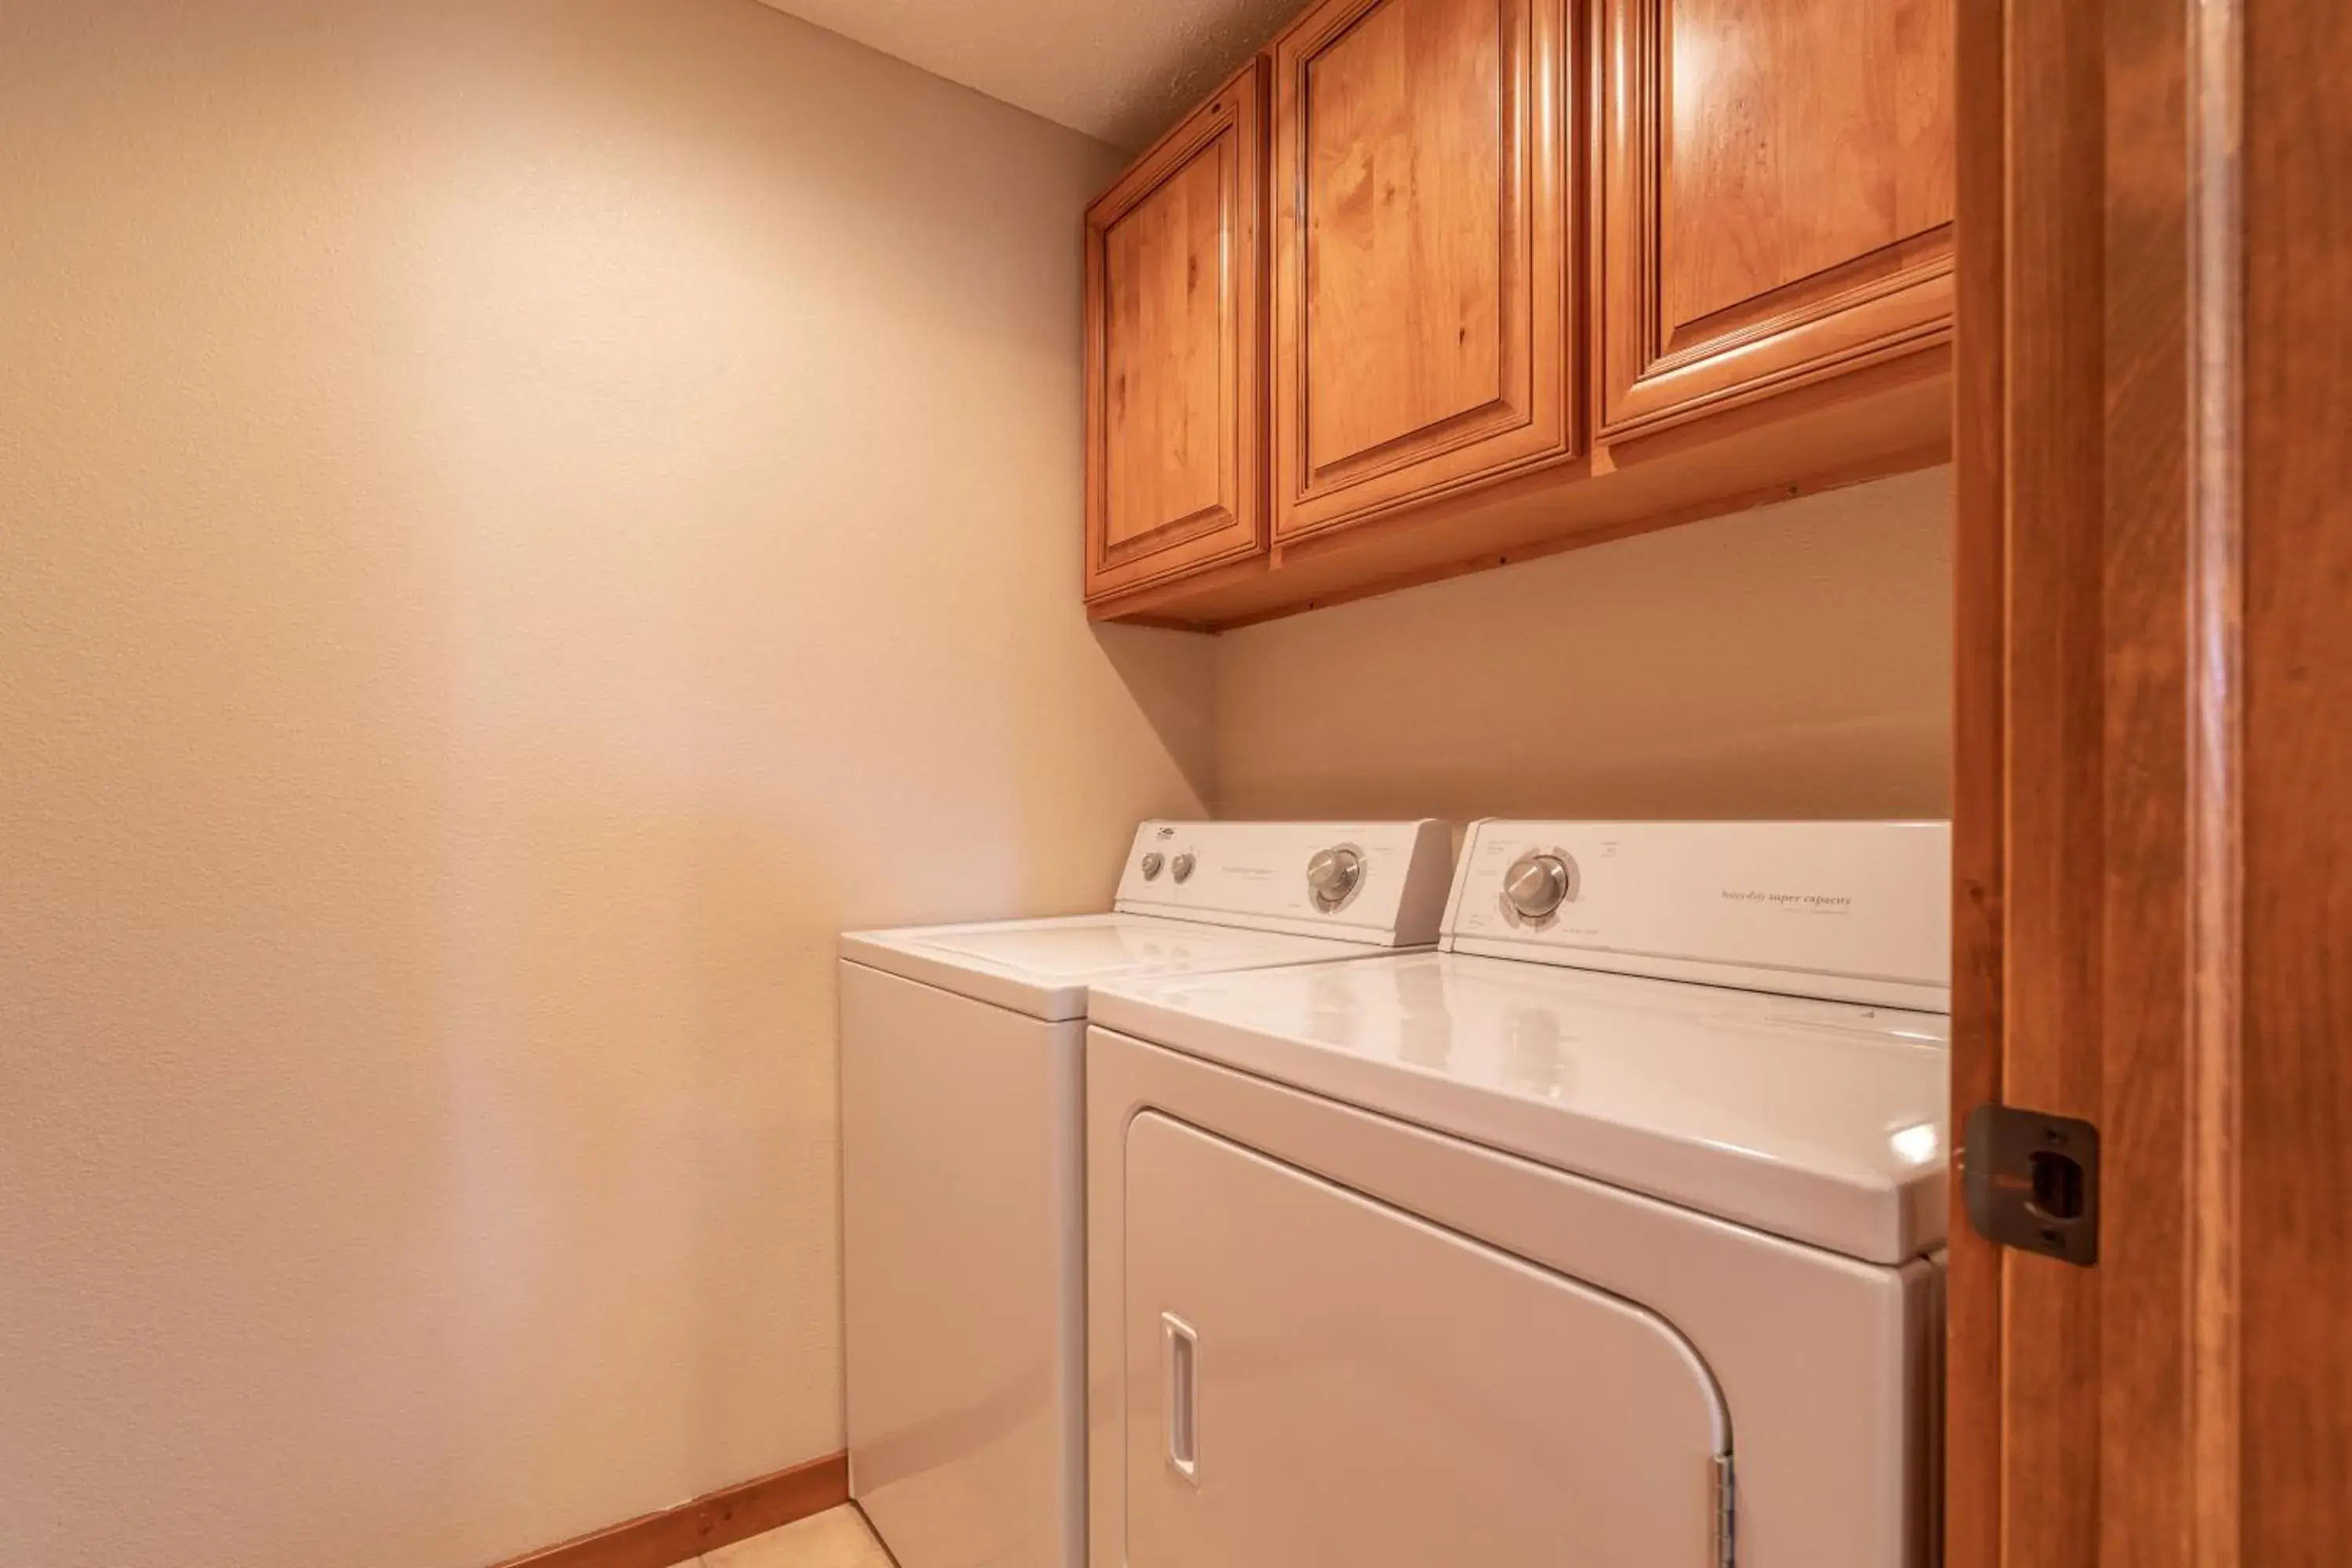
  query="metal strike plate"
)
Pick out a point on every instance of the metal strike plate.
point(2031, 1181)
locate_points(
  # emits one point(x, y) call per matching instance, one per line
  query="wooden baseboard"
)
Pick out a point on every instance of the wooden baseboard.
point(714, 1520)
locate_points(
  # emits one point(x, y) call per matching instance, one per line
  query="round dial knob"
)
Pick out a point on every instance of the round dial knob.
point(1536, 885)
point(1182, 868)
point(1152, 863)
point(1332, 876)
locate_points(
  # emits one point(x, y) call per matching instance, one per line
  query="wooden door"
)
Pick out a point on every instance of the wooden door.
point(1175, 357)
point(2153, 852)
point(1422, 325)
point(1775, 196)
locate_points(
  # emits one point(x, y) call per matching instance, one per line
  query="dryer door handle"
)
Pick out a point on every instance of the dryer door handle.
point(1179, 1366)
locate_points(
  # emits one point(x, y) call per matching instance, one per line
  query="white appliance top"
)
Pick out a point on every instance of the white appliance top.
point(1194, 898)
point(1821, 1120)
point(1044, 967)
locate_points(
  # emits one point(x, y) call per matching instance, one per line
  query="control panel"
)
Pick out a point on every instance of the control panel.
point(1378, 883)
point(1857, 909)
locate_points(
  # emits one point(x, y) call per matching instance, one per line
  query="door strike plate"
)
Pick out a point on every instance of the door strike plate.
point(2032, 1180)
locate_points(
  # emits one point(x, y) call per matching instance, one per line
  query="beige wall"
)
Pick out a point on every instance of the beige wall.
point(517, 520)
point(1792, 661)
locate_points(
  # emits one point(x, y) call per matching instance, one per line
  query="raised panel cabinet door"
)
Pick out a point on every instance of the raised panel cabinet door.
point(1775, 196)
point(1175, 399)
point(1422, 252)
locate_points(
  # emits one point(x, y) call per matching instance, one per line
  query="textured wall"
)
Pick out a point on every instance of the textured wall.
point(1792, 661)
point(517, 520)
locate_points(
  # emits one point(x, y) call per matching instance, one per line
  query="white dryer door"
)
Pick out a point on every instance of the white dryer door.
point(1315, 1379)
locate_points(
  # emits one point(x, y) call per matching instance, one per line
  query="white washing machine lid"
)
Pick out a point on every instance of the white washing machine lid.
point(1825, 1122)
point(1046, 967)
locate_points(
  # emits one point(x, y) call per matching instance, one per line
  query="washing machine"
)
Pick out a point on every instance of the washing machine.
point(962, 1101)
point(1608, 1234)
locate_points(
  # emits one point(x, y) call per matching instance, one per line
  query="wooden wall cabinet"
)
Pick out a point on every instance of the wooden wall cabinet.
point(1775, 196)
point(1537, 273)
point(1175, 284)
point(1423, 252)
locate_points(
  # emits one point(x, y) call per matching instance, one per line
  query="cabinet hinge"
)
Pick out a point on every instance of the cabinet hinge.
point(1727, 1513)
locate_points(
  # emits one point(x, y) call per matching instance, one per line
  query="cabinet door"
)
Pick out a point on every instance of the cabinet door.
point(1422, 255)
point(1776, 197)
point(1175, 401)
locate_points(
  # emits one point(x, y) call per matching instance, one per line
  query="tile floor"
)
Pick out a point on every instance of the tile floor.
point(835, 1539)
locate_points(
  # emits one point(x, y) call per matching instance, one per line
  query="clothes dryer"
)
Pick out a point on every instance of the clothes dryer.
point(1608, 1234)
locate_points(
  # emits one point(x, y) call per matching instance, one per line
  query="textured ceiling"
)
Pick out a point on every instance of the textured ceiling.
point(1119, 70)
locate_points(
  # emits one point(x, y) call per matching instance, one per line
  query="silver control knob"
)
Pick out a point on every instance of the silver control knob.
point(1537, 885)
point(1332, 876)
point(1152, 863)
point(1182, 868)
